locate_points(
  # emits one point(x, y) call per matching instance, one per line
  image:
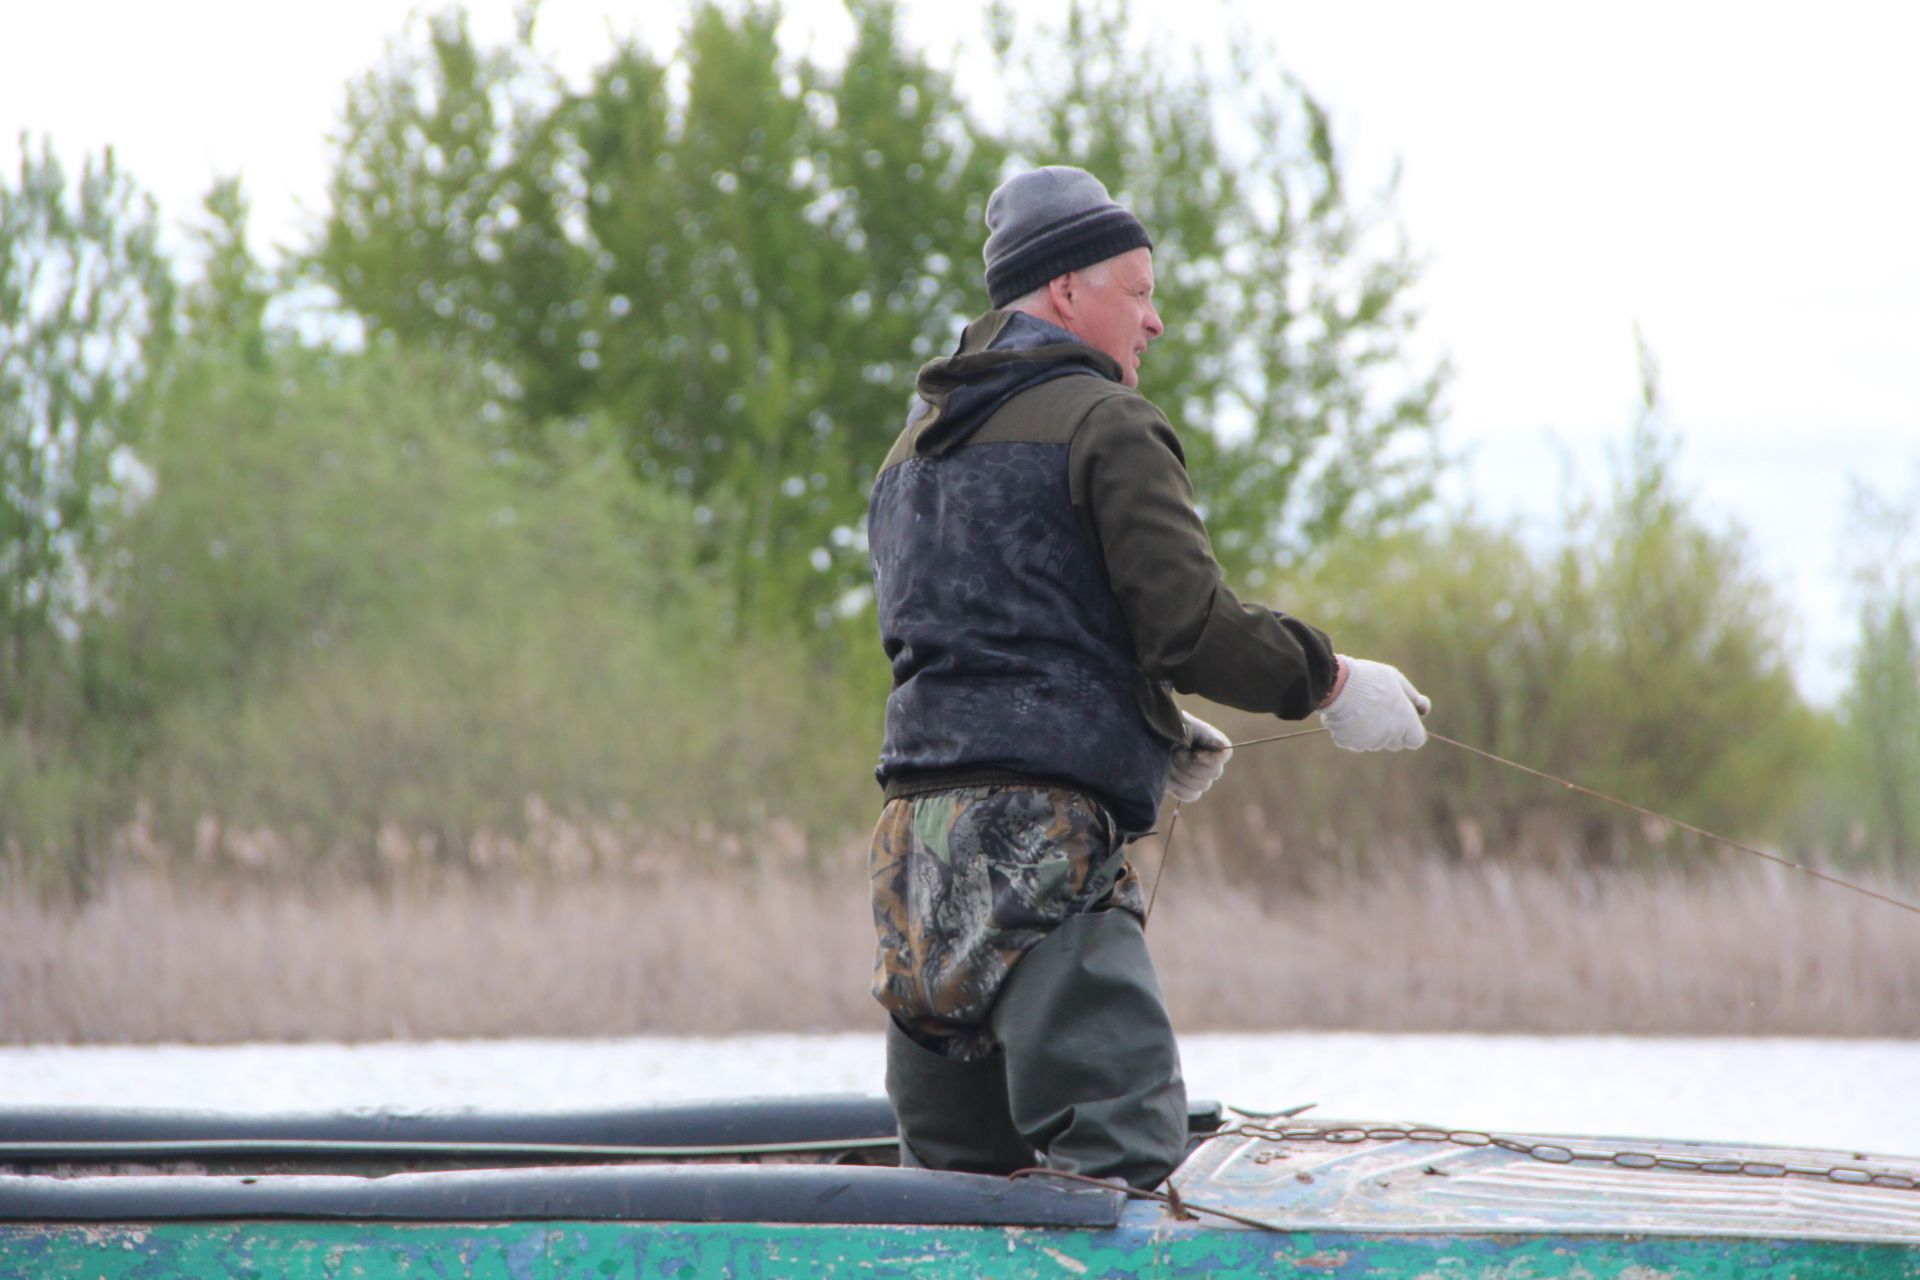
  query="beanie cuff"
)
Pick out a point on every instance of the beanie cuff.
point(1063, 247)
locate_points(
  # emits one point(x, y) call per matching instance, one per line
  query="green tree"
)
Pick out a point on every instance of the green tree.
point(1678, 652)
point(446, 206)
point(225, 308)
point(739, 275)
point(738, 261)
point(85, 321)
point(779, 258)
point(1643, 656)
point(85, 315)
point(351, 609)
point(1880, 708)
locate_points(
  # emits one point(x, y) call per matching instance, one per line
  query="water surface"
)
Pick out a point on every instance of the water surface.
point(1854, 1095)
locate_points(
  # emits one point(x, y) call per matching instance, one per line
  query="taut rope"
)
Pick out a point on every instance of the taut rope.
point(1166, 844)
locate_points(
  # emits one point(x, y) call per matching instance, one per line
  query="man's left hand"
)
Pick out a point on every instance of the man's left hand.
point(1202, 759)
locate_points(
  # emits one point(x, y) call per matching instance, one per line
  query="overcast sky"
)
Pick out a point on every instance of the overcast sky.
point(1739, 181)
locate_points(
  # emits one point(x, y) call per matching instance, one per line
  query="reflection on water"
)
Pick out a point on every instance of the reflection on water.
point(1842, 1094)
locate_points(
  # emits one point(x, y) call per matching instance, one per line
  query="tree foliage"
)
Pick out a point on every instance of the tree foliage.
point(1643, 655)
point(85, 316)
point(355, 609)
point(1880, 709)
point(446, 208)
point(740, 260)
point(734, 262)
point(560, 536)
point(225, 308)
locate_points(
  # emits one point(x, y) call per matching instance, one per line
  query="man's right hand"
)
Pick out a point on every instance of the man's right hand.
point(1377, 709)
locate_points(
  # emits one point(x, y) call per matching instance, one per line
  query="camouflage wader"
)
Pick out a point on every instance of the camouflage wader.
point(1027, 1022)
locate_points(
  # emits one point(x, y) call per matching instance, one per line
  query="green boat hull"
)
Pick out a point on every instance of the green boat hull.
point(805, 1188)
point(1142, 1245)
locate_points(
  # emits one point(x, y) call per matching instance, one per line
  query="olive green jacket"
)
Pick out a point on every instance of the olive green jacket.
point(1128, 485)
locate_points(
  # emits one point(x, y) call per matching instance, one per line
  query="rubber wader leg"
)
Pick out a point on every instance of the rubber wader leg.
point(952, 1114)
point(1093, 1075)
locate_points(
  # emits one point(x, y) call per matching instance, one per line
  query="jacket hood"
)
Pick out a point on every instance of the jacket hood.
point(1000, 355)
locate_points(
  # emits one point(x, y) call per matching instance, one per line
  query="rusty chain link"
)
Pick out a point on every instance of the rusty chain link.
point(1558, 1153)
point(1549, 1152)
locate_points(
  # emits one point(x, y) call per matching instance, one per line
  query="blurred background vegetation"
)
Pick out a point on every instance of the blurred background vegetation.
point(530, 489)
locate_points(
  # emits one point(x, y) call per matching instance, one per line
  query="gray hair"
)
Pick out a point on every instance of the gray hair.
point(1099, 275)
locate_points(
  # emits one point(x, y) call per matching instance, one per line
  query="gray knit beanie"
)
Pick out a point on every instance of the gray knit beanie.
point(1048, 222)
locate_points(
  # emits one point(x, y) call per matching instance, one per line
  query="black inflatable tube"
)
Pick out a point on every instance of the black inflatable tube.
point(636, 1193)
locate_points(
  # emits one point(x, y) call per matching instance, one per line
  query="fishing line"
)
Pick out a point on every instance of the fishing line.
point(1166, 844)
point(1684, 826)
point(1166, 841)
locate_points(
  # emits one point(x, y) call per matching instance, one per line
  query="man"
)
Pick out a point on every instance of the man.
point(1044, 587)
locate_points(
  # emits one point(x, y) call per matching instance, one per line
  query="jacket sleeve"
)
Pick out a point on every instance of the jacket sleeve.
point(1128, 477)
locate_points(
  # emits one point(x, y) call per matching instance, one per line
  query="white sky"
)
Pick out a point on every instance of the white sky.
point(1742, 181)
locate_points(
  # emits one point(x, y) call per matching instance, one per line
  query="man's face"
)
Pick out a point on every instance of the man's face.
point(1111, 310)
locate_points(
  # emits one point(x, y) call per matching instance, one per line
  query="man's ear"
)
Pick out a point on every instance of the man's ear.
point(1061, 292)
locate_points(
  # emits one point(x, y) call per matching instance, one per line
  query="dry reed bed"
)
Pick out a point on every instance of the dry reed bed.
point(1423, 948)
point(1742, 952)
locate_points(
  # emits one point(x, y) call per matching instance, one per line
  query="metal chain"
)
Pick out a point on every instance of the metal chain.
point(1548, 1152)
point(1560, 1153)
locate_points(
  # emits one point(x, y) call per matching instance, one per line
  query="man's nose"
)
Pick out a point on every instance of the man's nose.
point(1154, 327)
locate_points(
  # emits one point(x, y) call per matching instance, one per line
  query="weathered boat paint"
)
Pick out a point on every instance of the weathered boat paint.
point(1145, 1244)
point(1386, 1184)
point(1334, 1200)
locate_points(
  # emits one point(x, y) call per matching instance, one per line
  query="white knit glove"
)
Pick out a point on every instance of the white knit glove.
point(1198, 762)
point(1378, 709)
